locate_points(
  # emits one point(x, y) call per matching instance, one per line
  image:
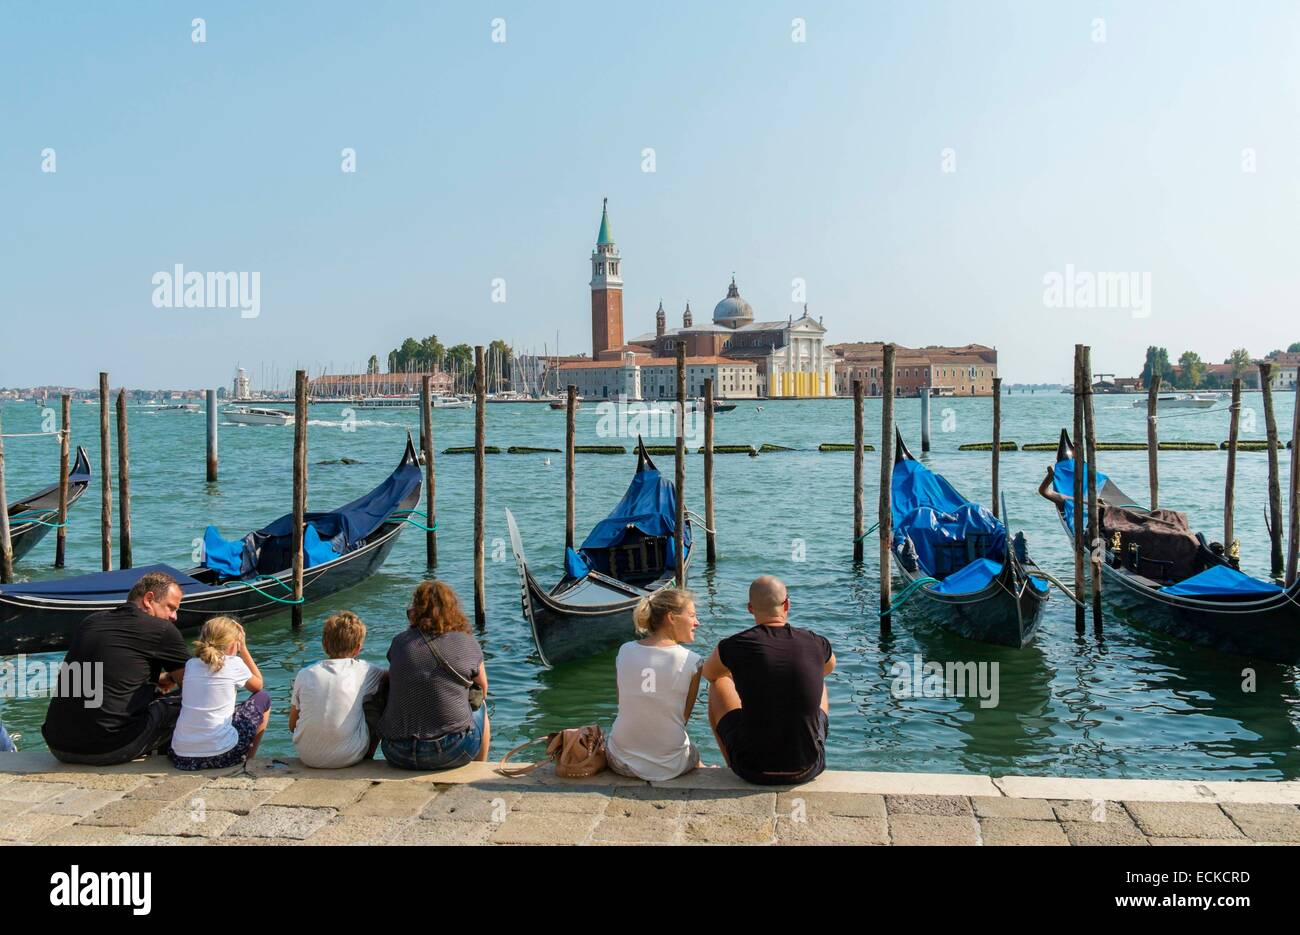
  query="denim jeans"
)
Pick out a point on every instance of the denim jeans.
point(446, 752)
point(6, 743)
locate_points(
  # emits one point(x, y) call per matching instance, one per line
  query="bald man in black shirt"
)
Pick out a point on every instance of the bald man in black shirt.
point(768, 704)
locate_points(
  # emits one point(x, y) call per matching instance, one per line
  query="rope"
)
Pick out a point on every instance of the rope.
point(405, 516)
point(874, 527)
point(1195, 412)
point(30, 434)
point(278, 600)
point(909, 592)
point(700, 519)
point(1056, 581)
point(20, 520)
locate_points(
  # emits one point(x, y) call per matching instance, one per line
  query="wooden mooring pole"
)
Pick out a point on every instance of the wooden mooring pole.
point(570, 475)
point(1234, 424)
point(925, 419)
point(105, 479)
point(1274, 482)
point(430, 478)
point(480, 484)
point(1080, 582)
point(299, 489)
point(711, 553)
point(65, 441)
point(886, 512)
point(997, 443)
point(1096, 547)
point(680, 554)
point(1293, 538)
point(123, 485)
point(859, 547)
point(211, 396)
point(1153, 440)
point(6, 543)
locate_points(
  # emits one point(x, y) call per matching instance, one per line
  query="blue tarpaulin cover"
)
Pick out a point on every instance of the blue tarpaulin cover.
point(229, 558)
point(974, 577)
point(649, 506)
point(1063, 482)
point(575, 566)
point(940, 521)
point(342, 530)
point(1221, 581)
point(353, 522)
point(315, 550)
point(104, 585)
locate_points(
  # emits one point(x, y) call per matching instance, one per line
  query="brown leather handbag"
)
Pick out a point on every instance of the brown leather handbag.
point(577, 752)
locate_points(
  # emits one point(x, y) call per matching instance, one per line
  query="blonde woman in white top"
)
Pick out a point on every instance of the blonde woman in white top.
point(658, 681)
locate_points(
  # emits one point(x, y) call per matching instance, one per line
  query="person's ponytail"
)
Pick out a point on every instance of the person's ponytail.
point(652, 611)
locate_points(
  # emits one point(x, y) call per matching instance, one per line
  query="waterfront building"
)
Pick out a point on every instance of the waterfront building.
point(790, 357)
point(946, 371)
point(1283, 375)
point(745, 358)
point(347, 385)
point(636, 377)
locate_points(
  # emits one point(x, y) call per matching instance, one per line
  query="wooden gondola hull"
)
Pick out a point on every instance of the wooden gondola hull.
point(566, 631)
point(1267, 629)
point(42, 510)
point(29, 535)
point(563, 634)
point(1003, 615)
point(1259, 630)
point(42, 619)
point(33, 625)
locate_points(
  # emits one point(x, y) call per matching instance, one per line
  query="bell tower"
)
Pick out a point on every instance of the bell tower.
point(606, 290)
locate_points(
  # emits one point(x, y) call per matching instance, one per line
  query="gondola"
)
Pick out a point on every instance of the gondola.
point(31, 519)
point(984, 584)
point(1174, 581)
point(247, 578)
point(628, 555)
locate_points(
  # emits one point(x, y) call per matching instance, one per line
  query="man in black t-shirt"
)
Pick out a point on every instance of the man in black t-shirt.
point(140, 655)
point(767, 693)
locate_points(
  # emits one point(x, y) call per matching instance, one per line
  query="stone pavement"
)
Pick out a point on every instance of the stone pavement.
point(282, 802)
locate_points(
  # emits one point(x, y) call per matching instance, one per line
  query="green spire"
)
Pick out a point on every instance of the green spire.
point(604, 237)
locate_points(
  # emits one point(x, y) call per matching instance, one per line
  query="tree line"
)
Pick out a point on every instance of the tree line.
point(431, 355)
point(1192, 373)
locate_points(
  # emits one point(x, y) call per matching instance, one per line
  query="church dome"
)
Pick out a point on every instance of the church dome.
point(733, 310)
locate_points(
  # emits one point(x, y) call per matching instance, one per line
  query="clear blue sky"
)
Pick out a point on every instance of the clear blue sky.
point(774, 159)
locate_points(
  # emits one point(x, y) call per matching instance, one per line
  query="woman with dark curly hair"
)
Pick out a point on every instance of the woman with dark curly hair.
point(436, 715)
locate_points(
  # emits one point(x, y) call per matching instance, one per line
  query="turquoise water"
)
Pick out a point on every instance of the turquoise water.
point(1134, 705)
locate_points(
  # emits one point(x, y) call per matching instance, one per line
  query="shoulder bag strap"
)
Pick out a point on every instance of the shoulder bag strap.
point(523, 770)
point(442, 660)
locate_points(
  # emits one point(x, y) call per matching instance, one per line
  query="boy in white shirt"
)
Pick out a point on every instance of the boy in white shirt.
point(331, 719)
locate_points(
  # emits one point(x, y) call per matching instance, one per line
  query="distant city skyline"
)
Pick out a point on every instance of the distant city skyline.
point(1018, 175)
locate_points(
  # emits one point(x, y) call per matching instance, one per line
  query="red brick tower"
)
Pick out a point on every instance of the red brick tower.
point(606, 290)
